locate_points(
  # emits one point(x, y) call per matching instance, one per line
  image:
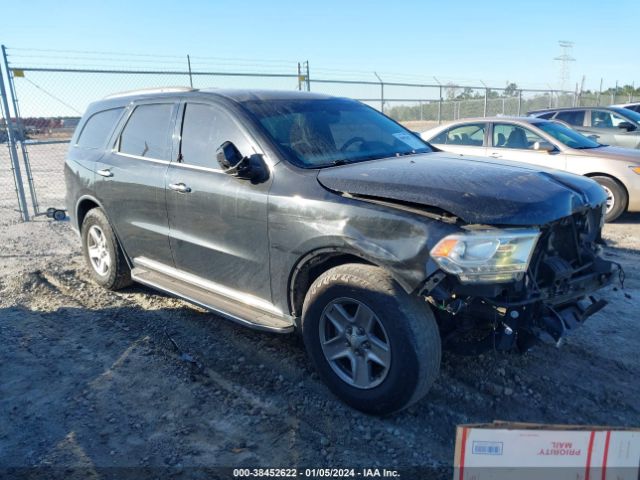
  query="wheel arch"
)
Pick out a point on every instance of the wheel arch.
point(315, 263)
point(85, 204)
point(615, 179)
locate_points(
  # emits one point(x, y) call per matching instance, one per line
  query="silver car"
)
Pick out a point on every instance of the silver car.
point(607, 125)
point(549, 144)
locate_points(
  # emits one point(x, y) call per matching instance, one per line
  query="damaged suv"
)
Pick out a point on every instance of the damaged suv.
point(288, 211)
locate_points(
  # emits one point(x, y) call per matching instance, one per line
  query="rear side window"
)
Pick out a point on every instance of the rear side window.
point(573, 117)
point(471, 135)
point(148, 132)
point(98, 127)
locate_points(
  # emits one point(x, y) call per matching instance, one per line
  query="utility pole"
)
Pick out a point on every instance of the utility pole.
point(565, 60)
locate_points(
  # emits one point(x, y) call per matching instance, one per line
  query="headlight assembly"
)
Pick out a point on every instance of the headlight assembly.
point(486, 256)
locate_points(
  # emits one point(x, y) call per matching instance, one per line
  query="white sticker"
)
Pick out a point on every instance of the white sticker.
point(409, 139)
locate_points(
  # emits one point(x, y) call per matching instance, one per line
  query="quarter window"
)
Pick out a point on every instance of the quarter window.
point(148, 132)
point(204, 129)
point(573, 117)
point(471, 135)
point(98, 127)
point(514, 136)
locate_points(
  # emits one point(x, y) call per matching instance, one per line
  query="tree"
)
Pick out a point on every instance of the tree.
point(511, 90)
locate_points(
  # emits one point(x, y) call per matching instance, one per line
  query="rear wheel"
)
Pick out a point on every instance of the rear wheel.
point(102, 253)
point(375, 346)
point(616, 197)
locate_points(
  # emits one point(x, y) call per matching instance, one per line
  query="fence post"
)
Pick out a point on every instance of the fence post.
point(13, 152)
point(439, 100)
point(599, 94)
point(189, 65)
point(25, 155)
point(519, 102)
point(308, 79)
point(381, 92)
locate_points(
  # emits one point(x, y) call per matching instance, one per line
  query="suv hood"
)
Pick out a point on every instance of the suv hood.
point(476, 190)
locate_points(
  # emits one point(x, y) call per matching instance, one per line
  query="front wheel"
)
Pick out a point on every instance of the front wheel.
point(616, 197)
point(375, 346)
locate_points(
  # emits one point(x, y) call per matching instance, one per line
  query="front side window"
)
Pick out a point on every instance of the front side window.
point(98, 128)
point(471, 135)
point(204, 129)
point(572, 117)
point(316, 132)
point(567, 136)
point(606, 119)
point(514, 136)
point(148, 132)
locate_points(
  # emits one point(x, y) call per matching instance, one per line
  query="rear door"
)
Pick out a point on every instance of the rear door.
point(466, 139)
point(130, 180)
point(515, 142)
point(218, 223)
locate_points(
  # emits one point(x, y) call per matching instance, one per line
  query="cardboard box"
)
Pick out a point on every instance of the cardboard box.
point(503, 450)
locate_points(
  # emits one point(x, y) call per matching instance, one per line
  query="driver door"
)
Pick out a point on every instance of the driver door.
point(217, 222)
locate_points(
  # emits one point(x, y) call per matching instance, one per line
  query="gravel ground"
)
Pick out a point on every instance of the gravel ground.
point(93, 379)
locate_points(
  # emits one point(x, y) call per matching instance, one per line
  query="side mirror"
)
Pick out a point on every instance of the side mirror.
point(543, 146)
point(228, 156)
point(233, 163)
point(628, 126)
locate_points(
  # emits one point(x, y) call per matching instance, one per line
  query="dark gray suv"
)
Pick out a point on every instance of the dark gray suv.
point(292, 211)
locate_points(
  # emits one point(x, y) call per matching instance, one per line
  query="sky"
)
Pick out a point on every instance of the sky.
point(458, 41)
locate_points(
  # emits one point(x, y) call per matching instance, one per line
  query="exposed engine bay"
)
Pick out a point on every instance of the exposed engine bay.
point(553, 297)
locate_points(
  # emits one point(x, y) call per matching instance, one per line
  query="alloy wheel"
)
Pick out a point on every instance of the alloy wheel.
point(355, 343)
point(97, 249)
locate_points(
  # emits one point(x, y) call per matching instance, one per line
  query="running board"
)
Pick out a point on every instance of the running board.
point(224, 306)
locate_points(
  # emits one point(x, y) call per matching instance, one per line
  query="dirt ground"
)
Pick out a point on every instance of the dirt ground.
point(93, 379)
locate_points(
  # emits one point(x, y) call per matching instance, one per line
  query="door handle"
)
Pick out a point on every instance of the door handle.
point(179, 187)
point(105, 172)
point(495, 155)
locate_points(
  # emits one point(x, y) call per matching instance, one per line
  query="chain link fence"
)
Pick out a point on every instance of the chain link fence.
point(48, 90)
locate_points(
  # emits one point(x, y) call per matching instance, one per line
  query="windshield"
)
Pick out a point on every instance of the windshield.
point(317, 133)
point(630, 114)
point(566, 136)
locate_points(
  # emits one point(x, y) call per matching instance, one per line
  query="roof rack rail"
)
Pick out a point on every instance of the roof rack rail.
point(150, 90)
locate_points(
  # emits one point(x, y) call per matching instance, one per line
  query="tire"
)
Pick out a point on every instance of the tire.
point(616, 194)
point(401, 323)
point(113, 272)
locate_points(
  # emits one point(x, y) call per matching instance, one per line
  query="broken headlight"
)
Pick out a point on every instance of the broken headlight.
point(486, 256)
